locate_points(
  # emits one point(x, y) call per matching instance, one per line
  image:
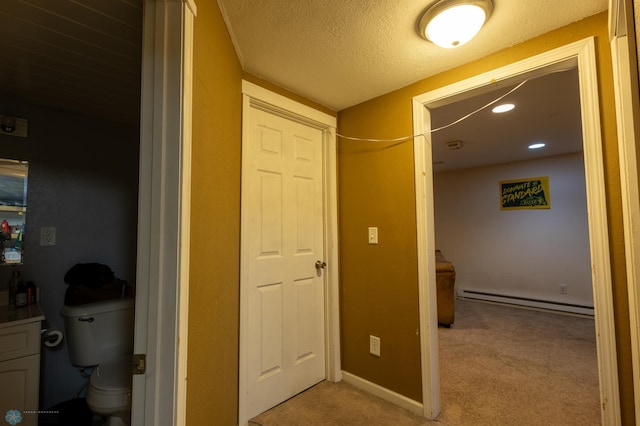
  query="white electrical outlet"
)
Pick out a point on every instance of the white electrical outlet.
point(48, 236)
point(563, 289)
point(374, 345)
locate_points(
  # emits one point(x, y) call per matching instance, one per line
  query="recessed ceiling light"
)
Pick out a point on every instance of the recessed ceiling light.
point(537, 145)
point(452, 23)
point(503, 108)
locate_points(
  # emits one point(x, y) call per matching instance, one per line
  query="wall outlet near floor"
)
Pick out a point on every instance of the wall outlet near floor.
point(48, 236)
point(563, 289)
point(374, 345)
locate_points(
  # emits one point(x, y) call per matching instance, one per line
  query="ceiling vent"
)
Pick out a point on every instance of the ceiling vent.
point(454, 145)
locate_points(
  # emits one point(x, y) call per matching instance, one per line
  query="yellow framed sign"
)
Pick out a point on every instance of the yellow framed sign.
point(529, 193)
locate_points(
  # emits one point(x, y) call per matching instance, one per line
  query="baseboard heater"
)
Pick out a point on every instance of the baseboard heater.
point(525, 302)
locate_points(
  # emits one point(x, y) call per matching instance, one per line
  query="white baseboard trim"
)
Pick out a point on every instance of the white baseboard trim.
point(525, 302)
point(384, 393)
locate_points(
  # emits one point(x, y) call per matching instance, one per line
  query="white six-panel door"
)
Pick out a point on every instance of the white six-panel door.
point(282, 239)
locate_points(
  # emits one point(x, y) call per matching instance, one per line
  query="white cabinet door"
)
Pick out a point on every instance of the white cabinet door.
point(19, 390)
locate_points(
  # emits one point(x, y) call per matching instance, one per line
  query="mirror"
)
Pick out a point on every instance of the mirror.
point(13, 209)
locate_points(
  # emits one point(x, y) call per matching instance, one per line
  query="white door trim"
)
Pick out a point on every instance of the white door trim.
point(582, 54)
point(625, 84)
point(256, 96)
point(162, 277)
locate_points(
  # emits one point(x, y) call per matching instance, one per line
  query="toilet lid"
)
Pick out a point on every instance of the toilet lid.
point(112, 375)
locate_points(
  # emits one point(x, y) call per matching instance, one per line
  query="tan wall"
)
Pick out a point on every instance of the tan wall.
point(379, 283)
point(212, 390)
point(379, 290)
point(212, 375)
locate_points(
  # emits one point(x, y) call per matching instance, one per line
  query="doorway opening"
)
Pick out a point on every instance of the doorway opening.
point(580, 54)
point(525, 248)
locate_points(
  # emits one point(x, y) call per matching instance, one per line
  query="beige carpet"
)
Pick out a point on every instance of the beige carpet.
point(506, 366)
point(499, 365)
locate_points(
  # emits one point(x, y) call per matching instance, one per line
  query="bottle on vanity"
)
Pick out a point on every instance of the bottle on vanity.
point(31, 293)
point(13, 288)
point(21, 295)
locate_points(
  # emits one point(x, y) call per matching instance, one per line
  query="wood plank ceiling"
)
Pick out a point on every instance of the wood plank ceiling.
point(82, 56)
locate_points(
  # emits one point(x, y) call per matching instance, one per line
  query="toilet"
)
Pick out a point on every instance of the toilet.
point(100, 335)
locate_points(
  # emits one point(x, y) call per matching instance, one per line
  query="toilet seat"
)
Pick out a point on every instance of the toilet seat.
point(110, 387)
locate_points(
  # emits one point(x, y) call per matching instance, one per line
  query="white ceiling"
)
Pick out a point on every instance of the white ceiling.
point(343, 52)
point(84, 56)
point(340, 53)
point(547, 110)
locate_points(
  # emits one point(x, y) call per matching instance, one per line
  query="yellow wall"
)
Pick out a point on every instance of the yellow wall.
point(212, 375)
point(379, 290)
point(279, 90)
point(379, 283)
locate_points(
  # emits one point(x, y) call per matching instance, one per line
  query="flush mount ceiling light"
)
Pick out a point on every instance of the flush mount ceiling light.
point(538, 145)
point(503, 108)
point(452, 23)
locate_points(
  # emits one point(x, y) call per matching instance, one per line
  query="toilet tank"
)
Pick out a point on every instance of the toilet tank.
point(97, 332)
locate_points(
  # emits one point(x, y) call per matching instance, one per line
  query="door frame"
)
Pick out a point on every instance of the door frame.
point(581, 54)
point(259, 97)
point(625, 76)
point(164, 203)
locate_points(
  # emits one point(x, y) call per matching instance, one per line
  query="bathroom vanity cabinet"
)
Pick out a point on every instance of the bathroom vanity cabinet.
point(20, 362)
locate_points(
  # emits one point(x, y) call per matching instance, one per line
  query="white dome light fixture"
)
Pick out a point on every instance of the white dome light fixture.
point(452, 23)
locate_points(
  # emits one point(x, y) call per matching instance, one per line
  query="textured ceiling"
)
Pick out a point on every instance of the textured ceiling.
point(340, 53)
point(84, 56)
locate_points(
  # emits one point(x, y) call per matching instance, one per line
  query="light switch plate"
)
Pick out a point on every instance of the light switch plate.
point(373, 235)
